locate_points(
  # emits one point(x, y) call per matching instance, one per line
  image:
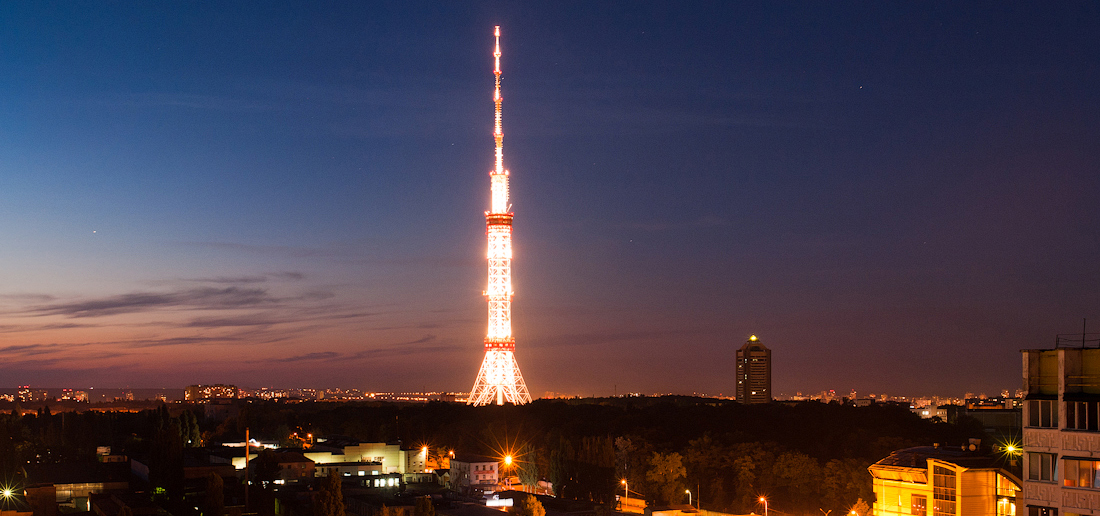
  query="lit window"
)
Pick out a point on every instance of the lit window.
point(1081, 473)
point(919, 505)
point(943, 491)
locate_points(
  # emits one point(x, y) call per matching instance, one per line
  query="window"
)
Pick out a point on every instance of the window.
point(919, 503)
point(1081, 473)
point(1041, 511)
point(1006, 496)
point(1082, 415)
point(1040, 466)
point(1042, 413)
point(943, 491)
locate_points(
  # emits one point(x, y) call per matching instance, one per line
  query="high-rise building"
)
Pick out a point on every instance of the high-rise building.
point(206, 392)
point(499, 379)
point(754, 372)
point(1061, 438)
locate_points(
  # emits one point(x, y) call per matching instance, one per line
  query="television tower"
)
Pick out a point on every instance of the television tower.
point(499, 380)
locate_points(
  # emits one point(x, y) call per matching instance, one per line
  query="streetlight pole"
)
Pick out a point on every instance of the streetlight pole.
point(765, 501)
point(688, 491)
point(626, 492)
point(507, 467)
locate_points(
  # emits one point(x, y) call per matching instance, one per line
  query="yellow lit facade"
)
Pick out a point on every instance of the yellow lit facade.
point(930, 481)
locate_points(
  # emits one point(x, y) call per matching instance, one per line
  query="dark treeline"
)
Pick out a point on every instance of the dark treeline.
point(801, 456)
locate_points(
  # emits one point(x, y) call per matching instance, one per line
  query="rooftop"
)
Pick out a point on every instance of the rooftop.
point(917, 457)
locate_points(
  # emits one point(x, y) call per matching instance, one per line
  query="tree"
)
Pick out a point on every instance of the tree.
point(189, 430)
point(330, 497)
point(215, 495)
point(424, 506)
point(528, 506)
point(861, 508)
point(528, 467)
point(844, 480)
point(800, 474)
point(665, 472)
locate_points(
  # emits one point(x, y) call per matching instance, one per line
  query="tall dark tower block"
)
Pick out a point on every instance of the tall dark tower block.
point(754, 372)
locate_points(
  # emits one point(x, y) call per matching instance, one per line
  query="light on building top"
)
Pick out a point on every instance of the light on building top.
point(753, 338)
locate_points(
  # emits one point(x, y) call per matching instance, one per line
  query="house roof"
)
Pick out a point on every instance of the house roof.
point(917, 457)
point(79, 473)
point(473, 459)
point(290, 457)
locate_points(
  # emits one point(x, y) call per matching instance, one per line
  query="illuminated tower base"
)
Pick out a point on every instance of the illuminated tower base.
point(499, 381)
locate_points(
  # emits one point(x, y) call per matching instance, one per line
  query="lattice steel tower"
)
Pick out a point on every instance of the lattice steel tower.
point(499, 379)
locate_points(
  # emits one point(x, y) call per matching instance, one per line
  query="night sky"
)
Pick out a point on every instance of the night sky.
point(895, 197)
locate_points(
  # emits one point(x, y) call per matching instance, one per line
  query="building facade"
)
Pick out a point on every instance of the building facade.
point(207, 392)
point(754, 372)
point(474, 472)
point(935, 481)
point(1061, 437)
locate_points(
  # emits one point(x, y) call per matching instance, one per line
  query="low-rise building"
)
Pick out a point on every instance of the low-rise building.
point(72, 483)
point(474, 472)
point(945, 481)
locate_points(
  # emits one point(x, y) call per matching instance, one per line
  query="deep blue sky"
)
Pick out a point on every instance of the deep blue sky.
point(895, 198)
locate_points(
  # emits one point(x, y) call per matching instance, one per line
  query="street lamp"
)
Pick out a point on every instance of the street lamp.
point(688, 491)
point(765, 502)
point(626, 490)
point(507, 466)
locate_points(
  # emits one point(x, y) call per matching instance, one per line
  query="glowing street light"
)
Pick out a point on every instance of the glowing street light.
point(6, 493)
point(626, 490)
point(765, 502)
point(688, 491)
point(507, 466)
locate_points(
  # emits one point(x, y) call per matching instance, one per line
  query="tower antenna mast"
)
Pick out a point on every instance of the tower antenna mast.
point(499, 379)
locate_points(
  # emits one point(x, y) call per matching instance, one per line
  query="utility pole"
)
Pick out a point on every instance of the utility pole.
point(246, 478)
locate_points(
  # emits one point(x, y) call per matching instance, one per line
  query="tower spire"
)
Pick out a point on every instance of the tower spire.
point(498, 129)
point(499, 379)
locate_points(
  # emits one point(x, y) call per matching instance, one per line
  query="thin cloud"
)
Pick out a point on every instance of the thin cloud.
point(29, 298)
point(405, 349)
point(29, 350)
point(231, 279)
point(245, 279)
point(200, 298)
point(177, 341)
point(16, 328)
point(319, 355)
